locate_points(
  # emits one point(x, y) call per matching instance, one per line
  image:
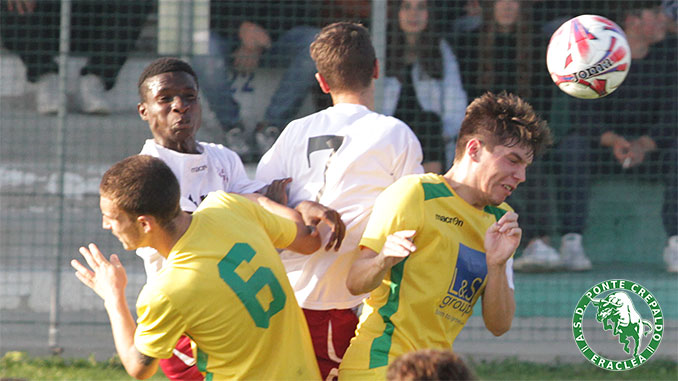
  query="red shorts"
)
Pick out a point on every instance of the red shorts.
point(331, 332)
point(181, 366)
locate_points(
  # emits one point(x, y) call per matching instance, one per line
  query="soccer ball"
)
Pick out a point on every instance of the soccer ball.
point(588, 57)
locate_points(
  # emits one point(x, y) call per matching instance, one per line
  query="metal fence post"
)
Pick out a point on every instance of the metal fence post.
point(379, 41)
point(55, 297)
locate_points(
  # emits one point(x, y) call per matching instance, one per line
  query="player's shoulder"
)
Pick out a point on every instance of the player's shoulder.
point(422, 183)
point(498, 211)
point(216, 149)
point(149, 148)
point(219, 152)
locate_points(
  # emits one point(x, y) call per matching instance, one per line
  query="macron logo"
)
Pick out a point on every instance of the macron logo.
point(456, 221)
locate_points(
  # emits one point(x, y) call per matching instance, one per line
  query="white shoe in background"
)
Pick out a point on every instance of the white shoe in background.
point(671, 254)
point(91, 96)
point(537, 257)
point(266, 137)
point(47, 98)
point(572, 253)
point(237, 142)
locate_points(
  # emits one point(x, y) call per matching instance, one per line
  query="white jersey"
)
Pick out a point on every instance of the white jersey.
point(215, 168)
point(341, 157)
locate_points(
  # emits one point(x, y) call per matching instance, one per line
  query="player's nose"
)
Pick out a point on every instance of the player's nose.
point(520, 173)
point(180, 104)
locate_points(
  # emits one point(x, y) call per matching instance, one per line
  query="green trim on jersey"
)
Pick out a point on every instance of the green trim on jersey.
point(381, 346)
point(201, 363)
point(497, 212)
point(432, 191)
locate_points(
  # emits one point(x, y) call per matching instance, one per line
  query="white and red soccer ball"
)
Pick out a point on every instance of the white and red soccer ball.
point(588, 57)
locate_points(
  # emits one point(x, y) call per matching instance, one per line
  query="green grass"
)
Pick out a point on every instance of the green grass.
point(655, 370)
point(18, 366)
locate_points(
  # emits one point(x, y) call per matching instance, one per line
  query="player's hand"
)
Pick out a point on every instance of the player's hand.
point(277, 190)
point(502, 239)
point(107, 279)
point(314, 213)
point(397, 247)
point(21, 7)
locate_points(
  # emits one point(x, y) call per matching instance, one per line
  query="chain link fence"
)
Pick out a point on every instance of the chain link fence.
point(68, 95)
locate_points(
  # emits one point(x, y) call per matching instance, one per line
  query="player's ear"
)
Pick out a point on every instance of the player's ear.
point(322, 83)
point(375, 73)
point(141, 107)
point(148, 223)
point(473, 147)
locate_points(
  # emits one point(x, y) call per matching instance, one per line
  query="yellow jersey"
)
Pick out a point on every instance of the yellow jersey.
point(225, 287)
point(425, 300)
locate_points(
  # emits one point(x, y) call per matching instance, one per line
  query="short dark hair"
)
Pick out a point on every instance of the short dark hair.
point(143, 185)
point(429, 364)
point(344, 56)
point(164, 65)
point(503, 119)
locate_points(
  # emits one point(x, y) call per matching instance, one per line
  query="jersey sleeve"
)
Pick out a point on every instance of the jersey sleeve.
point(153, 261)
point(239, 181)
point(409, 159)
point(398, 207)
point(280, 230)
point(272, 164)
point(159, 324)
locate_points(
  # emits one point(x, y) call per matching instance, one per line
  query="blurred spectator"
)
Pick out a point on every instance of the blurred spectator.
point(248, 34)
point(506, 52)
point(422, 85)
point(105, 31)
point(359, 11)
point(630, 132)
point(469, 19)
point(429, 364)
point(670, 8)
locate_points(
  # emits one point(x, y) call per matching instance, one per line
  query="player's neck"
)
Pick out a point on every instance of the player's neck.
point(365, 97)
point(187, 146)
point(459, 179)
point(168, 237)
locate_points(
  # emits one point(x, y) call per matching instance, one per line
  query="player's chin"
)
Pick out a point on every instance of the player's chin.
point(497, 199)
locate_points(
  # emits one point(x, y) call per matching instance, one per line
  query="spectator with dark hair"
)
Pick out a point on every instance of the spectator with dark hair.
point(105, 31)
point(429, 364)
point(248, 34)
point(631, 132)
point(422, 85)
point(506, 52)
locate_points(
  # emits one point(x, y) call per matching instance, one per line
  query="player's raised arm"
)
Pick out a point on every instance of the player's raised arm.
point(369, 269)
point(501, 241)
point(108, 280)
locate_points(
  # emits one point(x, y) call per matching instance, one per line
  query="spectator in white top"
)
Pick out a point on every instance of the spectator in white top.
point(342, 157)
point(423, 86)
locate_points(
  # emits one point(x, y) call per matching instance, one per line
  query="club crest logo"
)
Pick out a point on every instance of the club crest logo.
point(618, 312)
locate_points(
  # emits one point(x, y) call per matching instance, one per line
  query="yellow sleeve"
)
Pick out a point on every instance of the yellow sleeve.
point(280, 230)
point(398, 207)
point(159, 324)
